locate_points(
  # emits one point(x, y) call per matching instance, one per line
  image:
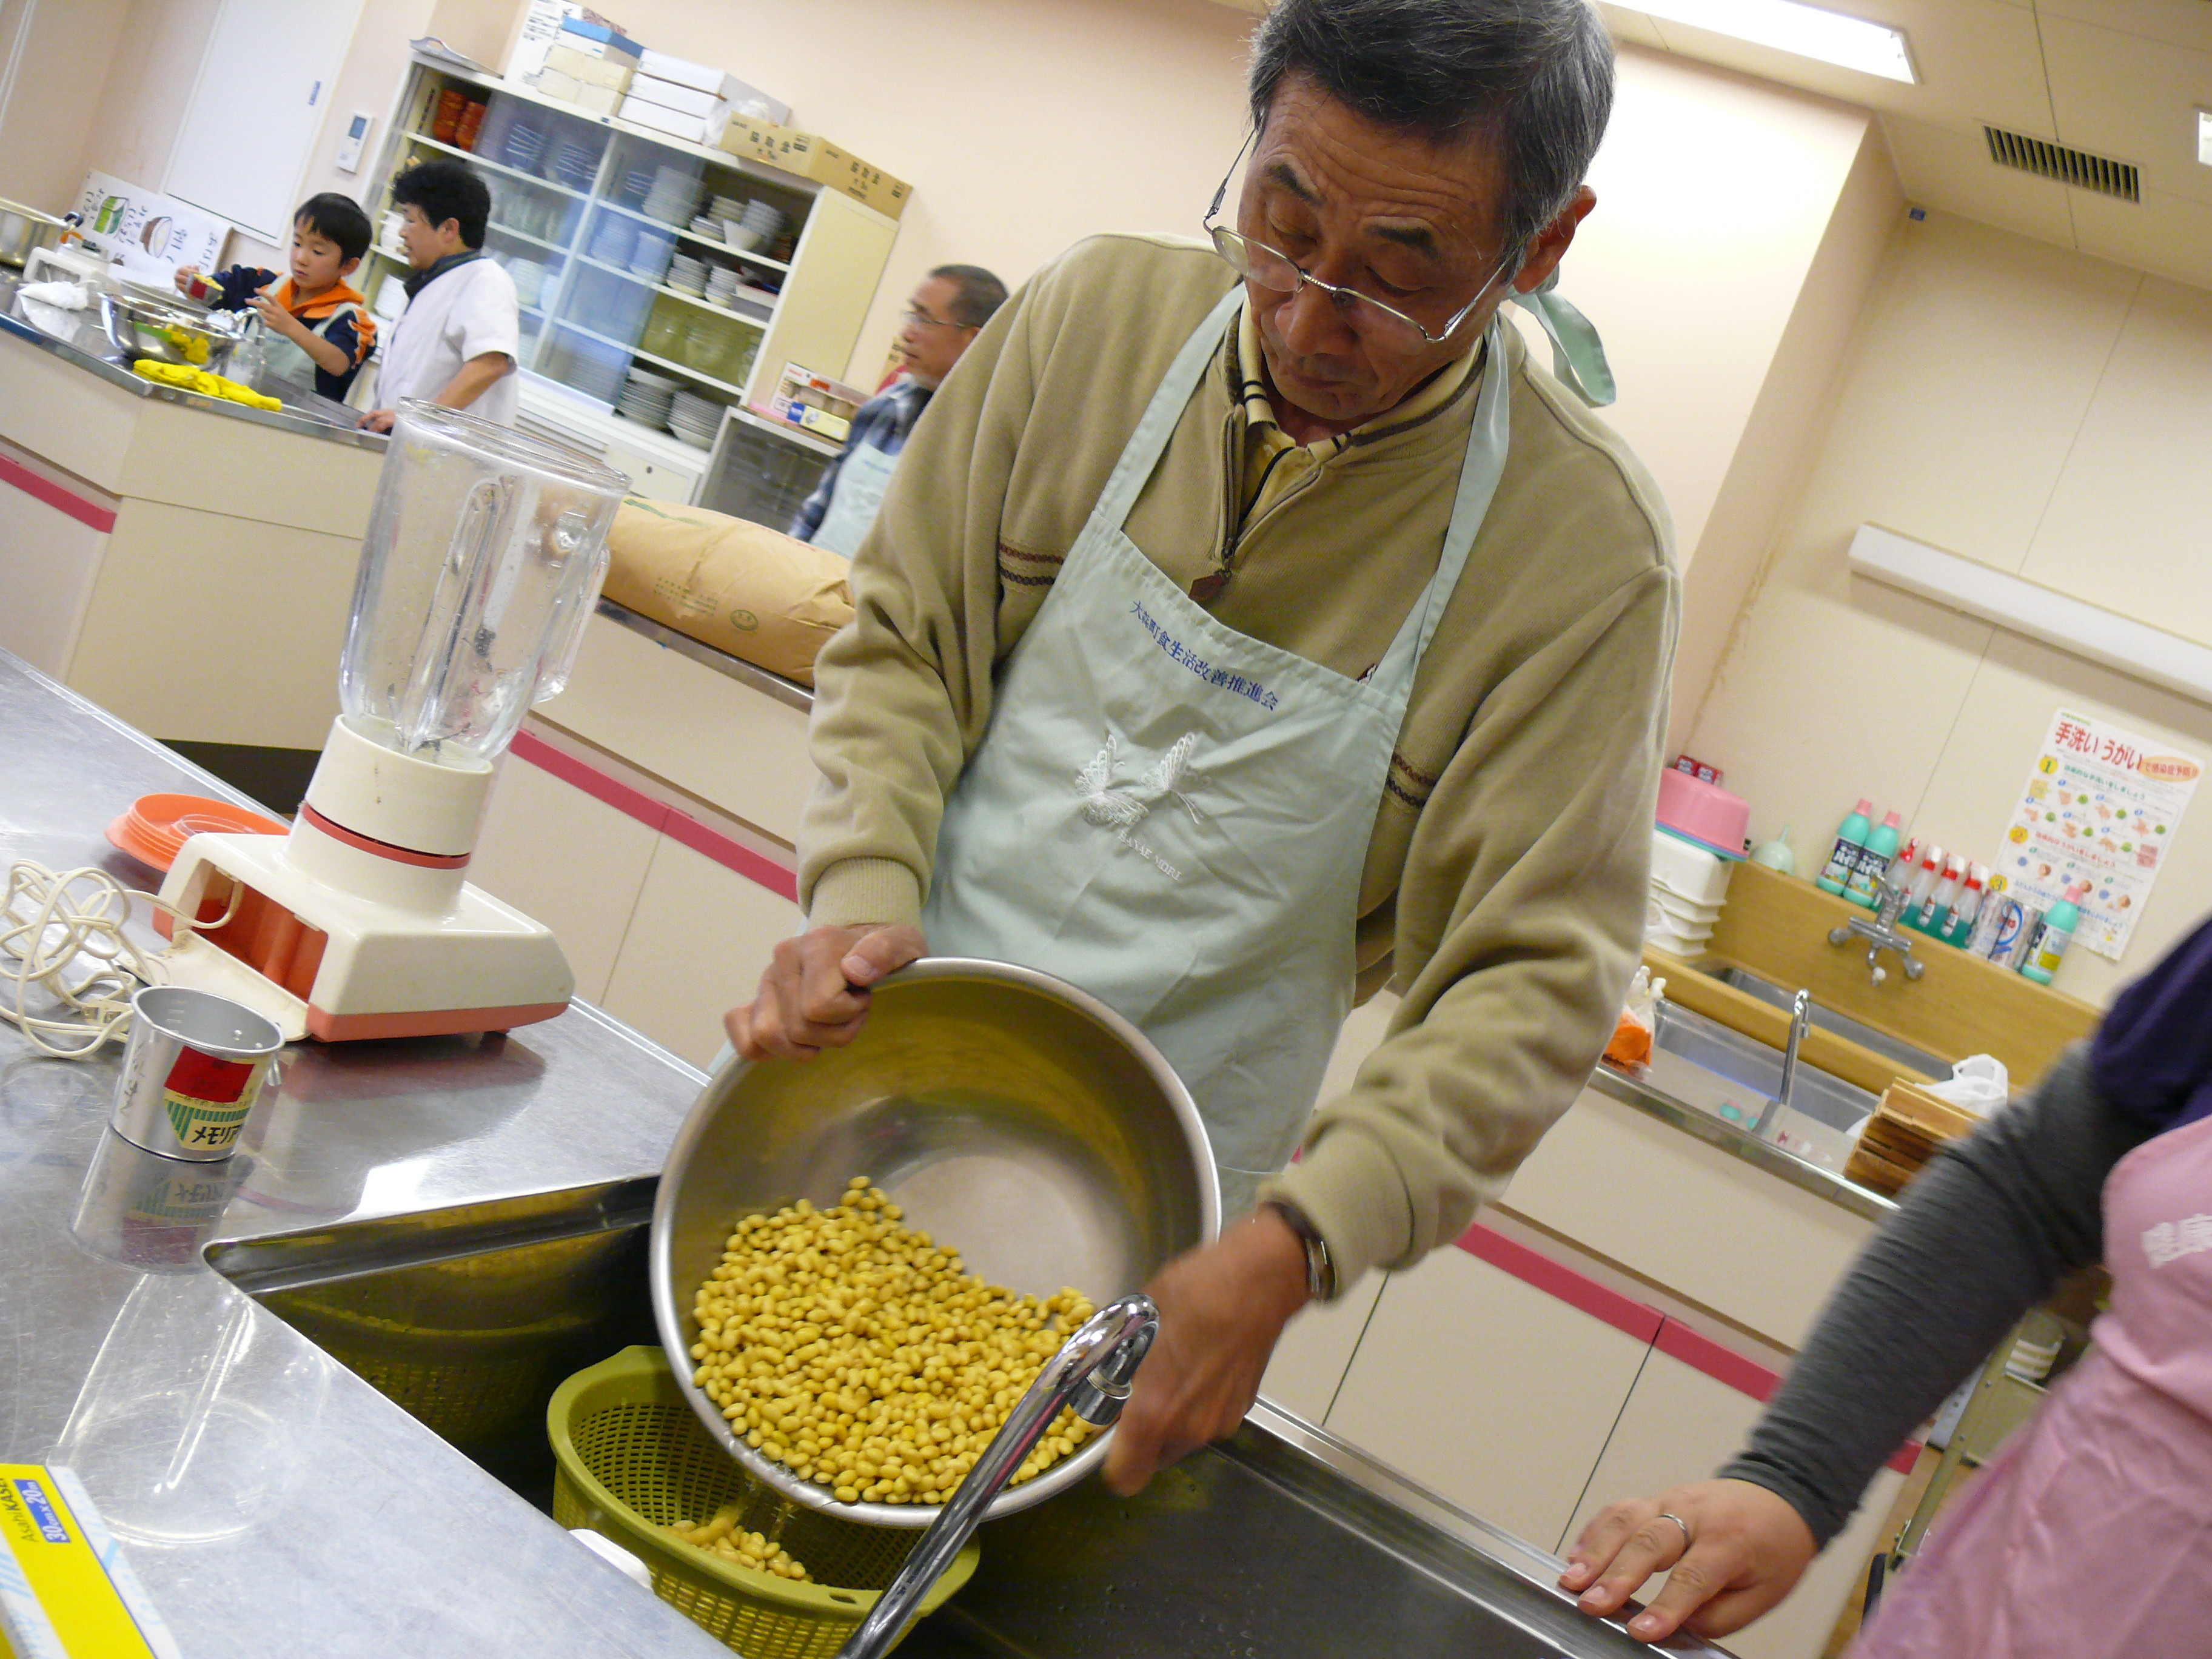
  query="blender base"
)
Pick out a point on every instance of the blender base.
point(340, 966)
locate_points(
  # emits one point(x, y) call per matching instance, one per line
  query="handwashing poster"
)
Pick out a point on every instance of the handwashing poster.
point(154, 234)
point(2101, 806)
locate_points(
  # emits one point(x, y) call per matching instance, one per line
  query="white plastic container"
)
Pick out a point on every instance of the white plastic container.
point(1687, 917)
point(1690, 873)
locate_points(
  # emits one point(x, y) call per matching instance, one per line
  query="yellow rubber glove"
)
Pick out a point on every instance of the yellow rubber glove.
point(189, 379)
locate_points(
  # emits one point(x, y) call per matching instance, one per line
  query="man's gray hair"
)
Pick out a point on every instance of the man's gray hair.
point(981, 294)
point(1535, 75)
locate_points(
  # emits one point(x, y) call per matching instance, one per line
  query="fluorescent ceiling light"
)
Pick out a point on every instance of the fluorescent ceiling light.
point(1851, 43)
point(2204, 136)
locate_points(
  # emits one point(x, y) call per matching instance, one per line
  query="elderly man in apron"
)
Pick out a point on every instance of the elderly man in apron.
point(1253, 625)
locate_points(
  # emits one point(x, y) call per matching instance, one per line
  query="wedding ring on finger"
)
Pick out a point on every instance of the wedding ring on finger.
point(1668, 1515)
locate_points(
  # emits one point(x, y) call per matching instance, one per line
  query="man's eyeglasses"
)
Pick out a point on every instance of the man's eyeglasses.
point(1278, 273)
point(923, 319)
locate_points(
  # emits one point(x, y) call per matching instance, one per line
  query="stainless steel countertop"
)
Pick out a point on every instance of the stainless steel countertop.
point(272, 1502)
point(304, 413)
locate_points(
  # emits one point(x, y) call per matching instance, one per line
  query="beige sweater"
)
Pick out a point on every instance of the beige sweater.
point(1504, 889)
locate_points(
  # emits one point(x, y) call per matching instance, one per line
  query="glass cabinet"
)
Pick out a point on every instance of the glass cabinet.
point(660, 281)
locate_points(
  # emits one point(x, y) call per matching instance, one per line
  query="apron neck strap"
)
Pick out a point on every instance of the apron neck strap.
point(1150, 441)
point(1489, 437)
point(1577, 355)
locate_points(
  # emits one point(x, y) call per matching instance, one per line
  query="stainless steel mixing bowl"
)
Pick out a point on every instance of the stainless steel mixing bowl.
point(1011, 1117)
point(168, 332)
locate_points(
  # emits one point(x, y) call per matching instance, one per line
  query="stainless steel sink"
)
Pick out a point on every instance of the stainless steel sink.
point(1279, 1544)
point(1842, 1025)
point(1702, 1063)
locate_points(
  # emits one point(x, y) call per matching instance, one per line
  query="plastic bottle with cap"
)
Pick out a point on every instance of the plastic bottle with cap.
point(1874, 862)
point(1902, 867)
point(1851, 842)
point(2057, 934)
point(1923, 884)
point(1958, 926)
point(1928, 917)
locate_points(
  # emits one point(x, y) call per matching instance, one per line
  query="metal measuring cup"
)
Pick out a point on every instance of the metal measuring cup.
point(193, 1068)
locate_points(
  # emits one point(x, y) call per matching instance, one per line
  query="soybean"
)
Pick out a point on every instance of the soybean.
point(857, 1353)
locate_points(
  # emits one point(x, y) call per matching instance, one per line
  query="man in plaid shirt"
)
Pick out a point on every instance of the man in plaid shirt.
point(952, 303)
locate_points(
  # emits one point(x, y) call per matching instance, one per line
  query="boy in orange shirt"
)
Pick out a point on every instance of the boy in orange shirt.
point(319, 328)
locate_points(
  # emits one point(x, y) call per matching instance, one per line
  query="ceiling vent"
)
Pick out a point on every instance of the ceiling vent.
point(2069, 167)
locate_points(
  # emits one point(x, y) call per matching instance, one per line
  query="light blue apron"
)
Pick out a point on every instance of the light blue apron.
point(862, 477)
point(1175, 816)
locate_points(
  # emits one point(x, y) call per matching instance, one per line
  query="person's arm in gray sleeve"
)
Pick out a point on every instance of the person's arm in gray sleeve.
point(1986, 1232)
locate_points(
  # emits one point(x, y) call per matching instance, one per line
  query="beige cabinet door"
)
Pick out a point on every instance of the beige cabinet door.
point(1488, 1391)
point(1679, 1425)
point(1629, 1187)
point(698, 941)
point(566, 859)
point(1310, 1363)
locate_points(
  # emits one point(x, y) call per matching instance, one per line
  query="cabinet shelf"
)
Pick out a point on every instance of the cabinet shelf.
point(684, 233)
point(749, 318)
point(642, 355)
point(490, 165)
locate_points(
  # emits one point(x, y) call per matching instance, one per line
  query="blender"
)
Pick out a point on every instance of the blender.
point(485, 554)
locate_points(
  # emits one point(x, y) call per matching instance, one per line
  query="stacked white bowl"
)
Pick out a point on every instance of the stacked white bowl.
point(673, 195)
point(688, 276)
point(722, 285)
point(694, 419)
point(651, 256)
point(592, 369)
point(615, 240)
point(1689, 885)
point(646, 397)
point(758, 225)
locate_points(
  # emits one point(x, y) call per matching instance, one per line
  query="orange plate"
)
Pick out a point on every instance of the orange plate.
point(156, 827)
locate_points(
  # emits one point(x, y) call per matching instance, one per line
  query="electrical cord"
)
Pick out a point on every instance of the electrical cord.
point(51, 920)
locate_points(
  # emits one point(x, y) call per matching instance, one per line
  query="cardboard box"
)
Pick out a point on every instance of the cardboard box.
point(717, 83)
point(615, 72)
point(598, 40)
point(810, 156)
point(687, 101)
point(600, 101)
point(559, 83)
point(692, 129)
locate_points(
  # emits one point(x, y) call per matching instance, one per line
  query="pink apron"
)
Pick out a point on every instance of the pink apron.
point(2090, 1536)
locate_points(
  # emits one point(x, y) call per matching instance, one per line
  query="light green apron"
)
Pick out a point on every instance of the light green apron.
point(862, 477)
point(1175, 816)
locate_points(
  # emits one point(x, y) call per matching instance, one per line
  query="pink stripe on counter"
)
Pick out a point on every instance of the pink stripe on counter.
point(632, 803)
point(658, 816)
point(756, 867)
point(57, 497)
point(1701, 1353)
point(1623, 1313)
point(1647, 1324)
point(1724, 1365)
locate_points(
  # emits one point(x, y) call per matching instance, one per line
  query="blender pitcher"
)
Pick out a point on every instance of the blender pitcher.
point(485, 550)
point(483, 556)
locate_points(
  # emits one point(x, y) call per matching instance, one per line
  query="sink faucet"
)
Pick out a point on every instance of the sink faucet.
point(1801, 1021)
point(1881, 933)
point(1092, 1375)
